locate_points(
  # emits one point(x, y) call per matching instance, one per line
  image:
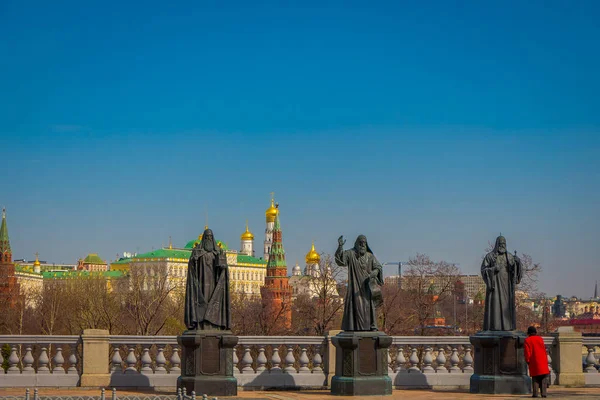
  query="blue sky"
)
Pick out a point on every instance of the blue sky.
point(430, 128)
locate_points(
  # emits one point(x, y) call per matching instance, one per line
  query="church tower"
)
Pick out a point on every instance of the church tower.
point(270, 215)
point(312, 262)
point(277, 293)
point(9, 287)
point(247, 242)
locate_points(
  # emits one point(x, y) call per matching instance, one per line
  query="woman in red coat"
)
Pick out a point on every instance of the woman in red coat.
point(537, 359)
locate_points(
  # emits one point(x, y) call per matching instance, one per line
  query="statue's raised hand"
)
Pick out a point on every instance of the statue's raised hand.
point(341, 241)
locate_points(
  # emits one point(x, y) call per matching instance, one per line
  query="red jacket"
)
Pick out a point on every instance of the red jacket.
point(535, 356)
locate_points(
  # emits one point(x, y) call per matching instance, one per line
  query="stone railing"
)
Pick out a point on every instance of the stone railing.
point(57, 361)
point(591, 363)
point(97, 359)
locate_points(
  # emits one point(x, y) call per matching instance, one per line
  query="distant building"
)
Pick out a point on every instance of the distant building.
point(93, 263)
point(469, 285)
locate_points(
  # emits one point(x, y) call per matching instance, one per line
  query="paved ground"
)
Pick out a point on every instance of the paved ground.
point(555, 392)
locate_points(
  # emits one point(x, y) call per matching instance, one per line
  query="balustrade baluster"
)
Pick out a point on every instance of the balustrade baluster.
point(275, 360)
point(303, 361)
point(317, 360)
point(427, 361)
point(116, 361)
point(43, 361)
point(235, 360)
point(441, 361)
point(247, 361)
point(28, 361)
point(389, 361)
point(261, 359)
point(131, 360)
point(58, 362)
point(414, 360)
point(161, 361)
point(400, 360)
point(467, 360)
point(13, 361)
point(454, 360)
point(290, 359)
point(1, 358)
point(548, 348)
point(175, 360)
point(73, 360)
point(590, 361)
point(146, 361)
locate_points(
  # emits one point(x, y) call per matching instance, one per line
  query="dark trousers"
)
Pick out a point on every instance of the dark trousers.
point(539, 382)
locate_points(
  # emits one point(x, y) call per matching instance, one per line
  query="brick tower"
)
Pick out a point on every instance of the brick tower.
point(277, 293)
point(9, 288)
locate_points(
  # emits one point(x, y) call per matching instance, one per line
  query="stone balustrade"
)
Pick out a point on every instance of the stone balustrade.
point(40, 361)
point(261, 362)
point(591, 363)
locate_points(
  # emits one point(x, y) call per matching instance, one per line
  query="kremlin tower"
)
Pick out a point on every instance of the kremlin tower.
point(270, 215)
point(9, 287)
point(247, 240)
point(277, 293)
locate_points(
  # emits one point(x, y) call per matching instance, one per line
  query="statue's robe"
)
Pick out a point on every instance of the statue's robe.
point(500, 305)
point(207, 291)
point(359, 306)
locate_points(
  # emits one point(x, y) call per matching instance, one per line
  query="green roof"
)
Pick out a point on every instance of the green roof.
point(93, 258)
point(242, 258)
point(121, 261)
point(81, 274)
point(165, 253)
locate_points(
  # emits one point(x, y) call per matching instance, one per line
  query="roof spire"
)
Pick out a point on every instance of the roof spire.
point(4, 240)
point(170, 243)
point(596, 290)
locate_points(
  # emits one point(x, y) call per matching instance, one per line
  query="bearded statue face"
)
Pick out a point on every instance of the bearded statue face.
point(501, 245)
point(362, 246)
point(208, 241)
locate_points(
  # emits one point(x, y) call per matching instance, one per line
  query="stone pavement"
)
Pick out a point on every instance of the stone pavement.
point(555, 392)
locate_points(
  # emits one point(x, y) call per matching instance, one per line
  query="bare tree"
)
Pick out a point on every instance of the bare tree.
point(319, 306)
point(428, 283)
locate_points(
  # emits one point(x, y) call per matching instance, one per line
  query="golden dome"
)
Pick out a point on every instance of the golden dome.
point(312, 257)
point(247, 235)
point(36, 263)
point(271, 212)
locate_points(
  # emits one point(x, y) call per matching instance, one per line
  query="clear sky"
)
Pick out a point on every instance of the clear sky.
point(430, 128)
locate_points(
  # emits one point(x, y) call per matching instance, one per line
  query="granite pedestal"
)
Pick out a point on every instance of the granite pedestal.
point(500, 366)
point(361, 364)
point(207, 362)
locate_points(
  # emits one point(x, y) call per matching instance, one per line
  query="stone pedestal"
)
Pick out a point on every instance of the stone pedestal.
point(207, 362)
point(361, 366)
point(500, 366)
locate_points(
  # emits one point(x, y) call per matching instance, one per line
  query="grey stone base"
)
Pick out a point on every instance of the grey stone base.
point(361, 386)
point(207, 362)
point(361, 364)
point(500, 366)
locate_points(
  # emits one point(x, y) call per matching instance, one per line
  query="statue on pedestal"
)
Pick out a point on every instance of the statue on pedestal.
point(501, 272)
point(365, 278)
point(207, 287)
point(361, 350)
point(207, 345)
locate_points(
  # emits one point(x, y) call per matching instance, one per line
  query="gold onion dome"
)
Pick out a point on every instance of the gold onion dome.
point(312, 257)
point(37, 261)
point(271, 212)
point(247, 235)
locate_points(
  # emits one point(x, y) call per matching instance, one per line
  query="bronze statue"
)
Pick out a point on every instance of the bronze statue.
point(207, 287)
point(501, 272)
point(365, 277)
